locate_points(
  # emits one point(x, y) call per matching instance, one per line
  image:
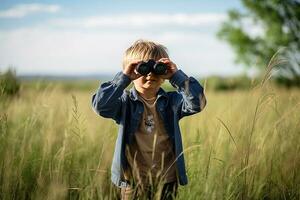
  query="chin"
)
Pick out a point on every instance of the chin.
point(150, 86)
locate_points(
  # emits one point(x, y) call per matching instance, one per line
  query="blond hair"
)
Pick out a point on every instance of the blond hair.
point(144, 50)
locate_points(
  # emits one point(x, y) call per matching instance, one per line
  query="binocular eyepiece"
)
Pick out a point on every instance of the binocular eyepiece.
point(158, 68)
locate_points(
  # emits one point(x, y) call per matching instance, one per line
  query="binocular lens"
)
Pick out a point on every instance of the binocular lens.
point(145, 68)
point(160, 69)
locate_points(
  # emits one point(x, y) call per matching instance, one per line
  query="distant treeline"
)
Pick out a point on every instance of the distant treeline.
point(243, 82)
point(10, 84)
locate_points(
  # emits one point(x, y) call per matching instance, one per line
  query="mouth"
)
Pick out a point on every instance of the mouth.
point(151, 81)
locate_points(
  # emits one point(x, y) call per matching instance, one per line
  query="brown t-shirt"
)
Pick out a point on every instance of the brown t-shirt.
point(151, 157)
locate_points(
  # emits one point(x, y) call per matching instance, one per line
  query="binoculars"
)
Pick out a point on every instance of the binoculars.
point(158, 68)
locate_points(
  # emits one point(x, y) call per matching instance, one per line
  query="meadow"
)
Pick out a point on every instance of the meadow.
point(244, 145)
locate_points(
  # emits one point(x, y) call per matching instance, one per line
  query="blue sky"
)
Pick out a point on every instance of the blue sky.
point(88, 37)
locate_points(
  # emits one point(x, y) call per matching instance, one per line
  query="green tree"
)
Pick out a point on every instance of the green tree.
point(9, 83)
point(277, 25)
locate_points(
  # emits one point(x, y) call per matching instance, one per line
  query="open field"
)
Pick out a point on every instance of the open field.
point(244, 145)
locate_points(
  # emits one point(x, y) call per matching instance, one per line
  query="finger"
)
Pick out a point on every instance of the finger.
point(163, 59)
point(136, 62)
point(168, 63)
point(133, 63)
point(132, 66)
point(136, 75)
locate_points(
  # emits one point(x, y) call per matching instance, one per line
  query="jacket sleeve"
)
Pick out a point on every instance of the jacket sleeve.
point(109, 98)
point(189, 98)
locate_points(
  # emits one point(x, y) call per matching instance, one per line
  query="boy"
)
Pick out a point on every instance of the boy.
point(148, 149)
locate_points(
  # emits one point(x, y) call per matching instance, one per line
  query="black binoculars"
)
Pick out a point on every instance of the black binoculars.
point(158, 68)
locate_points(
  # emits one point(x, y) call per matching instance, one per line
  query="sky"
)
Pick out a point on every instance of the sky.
point(89, 37)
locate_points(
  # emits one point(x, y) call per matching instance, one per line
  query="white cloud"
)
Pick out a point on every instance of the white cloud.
point(43, 51)
point(142, 20)
point(22, 10)
point(89, 45)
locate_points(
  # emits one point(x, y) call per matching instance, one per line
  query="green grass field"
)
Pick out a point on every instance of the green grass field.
point(244, 145)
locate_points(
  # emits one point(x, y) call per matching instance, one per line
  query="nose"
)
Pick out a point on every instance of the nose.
point(151, 74)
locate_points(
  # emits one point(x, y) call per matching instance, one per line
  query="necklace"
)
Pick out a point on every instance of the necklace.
point(149, 99)
point(150, 102)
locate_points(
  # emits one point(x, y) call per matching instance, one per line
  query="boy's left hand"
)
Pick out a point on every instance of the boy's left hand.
point(171, 68)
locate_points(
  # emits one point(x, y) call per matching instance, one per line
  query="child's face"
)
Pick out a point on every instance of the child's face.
point(151, 82)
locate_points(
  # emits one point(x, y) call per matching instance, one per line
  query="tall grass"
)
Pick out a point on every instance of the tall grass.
point(49, 151)
point(253, 153)
point(244, 145)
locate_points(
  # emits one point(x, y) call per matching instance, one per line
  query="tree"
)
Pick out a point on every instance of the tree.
point(277, 25)
point(9, 83)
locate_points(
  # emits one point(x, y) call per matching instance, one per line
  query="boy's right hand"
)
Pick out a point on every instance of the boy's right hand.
point(130, 71)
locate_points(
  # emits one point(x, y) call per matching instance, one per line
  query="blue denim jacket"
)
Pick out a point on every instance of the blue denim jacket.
point(113, 101)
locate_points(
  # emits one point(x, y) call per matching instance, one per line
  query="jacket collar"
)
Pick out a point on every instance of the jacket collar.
point(134, 94)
